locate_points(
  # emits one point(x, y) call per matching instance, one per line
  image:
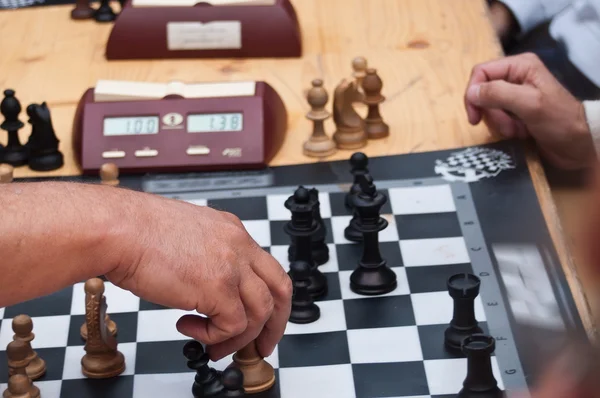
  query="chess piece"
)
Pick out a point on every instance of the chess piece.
point(259, 375)
point(17, 352)
point(301, 229)
point(464, 289)
point(206, 381)
point(43, 143)
point(374, 125)
point(359, 66)
point(82, 10)
point(359, 163)
point(233, 383)
point(110, 324)
point(109, 174)
point(19, 386)
point(480, 380)
point(372, 276)
point(102, 359)
point(319, 248)
point(14, 153)
point(22, 326)
point(6, 173)
point(319, 144)
point(350, 132)
point(105, 13)
point(304, 309)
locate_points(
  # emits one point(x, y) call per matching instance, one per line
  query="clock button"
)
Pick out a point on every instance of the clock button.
point(197, 150)
point(146, 153)
point(113, 154)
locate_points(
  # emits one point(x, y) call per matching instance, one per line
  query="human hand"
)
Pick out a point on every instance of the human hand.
point(190, 257)
point(517, 96)
point(502, 19)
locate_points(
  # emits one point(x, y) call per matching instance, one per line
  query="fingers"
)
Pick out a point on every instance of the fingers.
point(501, 124)
point(521, 100)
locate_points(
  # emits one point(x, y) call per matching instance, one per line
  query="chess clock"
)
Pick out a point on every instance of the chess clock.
point(148, 127)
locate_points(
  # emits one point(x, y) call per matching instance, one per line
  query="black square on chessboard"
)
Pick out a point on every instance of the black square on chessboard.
point(349, 254)
point(160, 357)
point(280, 238)
point(434, 278)
point(337, 201)
point(319, 349)
point(54, 357)
point(428, 226)
point(58, 303)
point(379, 312)
point(396, 379)
point(248, 208)
point(148, 306)
point(432, 341)
point(126, 328)
point(116, 387)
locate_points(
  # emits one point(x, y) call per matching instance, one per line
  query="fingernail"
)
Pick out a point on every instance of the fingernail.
point(473, 94)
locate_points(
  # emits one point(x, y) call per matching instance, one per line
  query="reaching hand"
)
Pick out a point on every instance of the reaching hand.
point(518, 97)
point(197, 258)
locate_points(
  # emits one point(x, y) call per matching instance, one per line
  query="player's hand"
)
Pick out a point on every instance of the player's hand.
point(518, 97)
point(196, 258)
point(502, 19)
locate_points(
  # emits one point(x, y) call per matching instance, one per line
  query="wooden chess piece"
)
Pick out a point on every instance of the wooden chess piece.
point(109, 174)
point(19, 386)
point(110, 324)
point(319, 144)
point(259, 375)
point(102, 359)
point(82, 10)
point(6, 173)
point(105, 13)
point(374, 124)
point(16, 354)
point(22, 326)
point(359, 65)
point(350, 132)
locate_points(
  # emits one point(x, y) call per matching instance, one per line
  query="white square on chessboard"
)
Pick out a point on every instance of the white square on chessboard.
point(280, 253)
point(48, 388)
point(197, 202)
point(438, 251)
point(339, 224)
point(50, 331)
point(401, 289)
point(422, 200)
point(436, 308)
point(223, 363)
point(259, 230)
point(278, 212)
point(73, 355)
point(333, 319)
point(117, 300)
point(162, 385)
point(325, 381)
point(1, 313)
point(446, 376)
point(381, 345)
point(160, 325)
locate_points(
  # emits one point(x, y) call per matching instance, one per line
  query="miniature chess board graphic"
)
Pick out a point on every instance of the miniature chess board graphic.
point(383, 346)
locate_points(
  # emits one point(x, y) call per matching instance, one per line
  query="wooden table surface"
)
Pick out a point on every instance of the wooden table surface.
point(423, 50)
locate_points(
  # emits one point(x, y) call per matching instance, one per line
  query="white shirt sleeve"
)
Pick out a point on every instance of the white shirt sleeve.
point(531, 13)
point(592, 113)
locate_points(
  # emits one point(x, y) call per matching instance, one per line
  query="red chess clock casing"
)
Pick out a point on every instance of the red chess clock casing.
point(177, 134)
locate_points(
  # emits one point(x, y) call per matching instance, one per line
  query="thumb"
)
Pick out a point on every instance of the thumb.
point(520, 100)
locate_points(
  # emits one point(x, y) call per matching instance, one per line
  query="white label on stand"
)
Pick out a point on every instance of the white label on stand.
point(218, 35)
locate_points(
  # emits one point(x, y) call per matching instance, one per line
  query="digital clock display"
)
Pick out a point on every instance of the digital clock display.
point(115, 126)
point(209, 123)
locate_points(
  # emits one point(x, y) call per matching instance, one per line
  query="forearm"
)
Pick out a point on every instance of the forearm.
point(55, 234)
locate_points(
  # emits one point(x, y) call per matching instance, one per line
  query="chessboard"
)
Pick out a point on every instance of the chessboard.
point(471, 212)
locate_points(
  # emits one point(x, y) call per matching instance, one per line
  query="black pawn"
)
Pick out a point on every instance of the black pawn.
point(207, 380)
point(320, 250)
point(233, 383)
point(359, 163)
point(304, 309)
point(43, 143)
point(105, 13)
point(373, 276)
point(301, 229)
point(464, 289)
point(480, 381)
point(15, 153)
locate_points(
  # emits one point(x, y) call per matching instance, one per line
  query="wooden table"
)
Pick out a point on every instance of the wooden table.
point(423, 49)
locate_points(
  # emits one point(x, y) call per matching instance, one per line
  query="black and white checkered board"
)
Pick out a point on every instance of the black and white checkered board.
point(388, 346)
